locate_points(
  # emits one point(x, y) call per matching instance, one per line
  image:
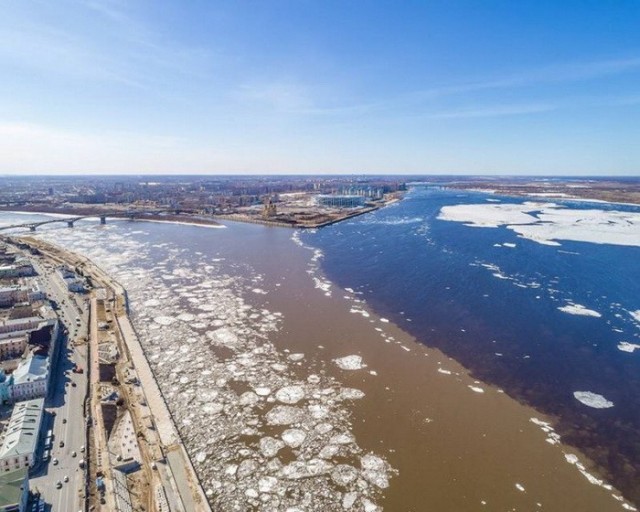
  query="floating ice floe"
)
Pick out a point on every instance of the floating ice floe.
point(579, 309)
point(374, 470)
point(351, 394)
point(592, 400)
point(164, 320)
point(290, 394)
point(222, 336)
point(625, 346)
point(353, 362)
point(344, 474)
point(222, 378)
point(270, 446)
point(285, 415)
point(552, 436)
point(293, 437)
point(545, 223)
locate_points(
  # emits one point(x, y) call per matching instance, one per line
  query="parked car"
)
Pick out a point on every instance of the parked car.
point(58, 484)
point(61, 444)
point(55, 461)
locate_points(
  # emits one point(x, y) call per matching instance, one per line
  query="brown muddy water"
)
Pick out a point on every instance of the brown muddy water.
point(457, 444)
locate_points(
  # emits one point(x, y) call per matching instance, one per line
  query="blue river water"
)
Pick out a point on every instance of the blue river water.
point(494, 308)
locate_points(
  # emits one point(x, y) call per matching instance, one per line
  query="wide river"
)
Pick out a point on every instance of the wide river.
point(321, 370)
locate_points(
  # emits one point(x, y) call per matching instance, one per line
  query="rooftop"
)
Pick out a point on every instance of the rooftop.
point(21, 435)
point(32, 369)
point(11, 487)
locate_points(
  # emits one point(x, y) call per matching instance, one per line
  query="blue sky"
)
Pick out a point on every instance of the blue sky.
point(137, 86)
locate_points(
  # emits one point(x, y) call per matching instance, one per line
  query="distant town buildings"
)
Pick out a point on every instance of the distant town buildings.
point(341, 201)
point(195, 194)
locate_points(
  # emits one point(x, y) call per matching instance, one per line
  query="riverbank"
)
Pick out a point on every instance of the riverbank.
point(173, 469)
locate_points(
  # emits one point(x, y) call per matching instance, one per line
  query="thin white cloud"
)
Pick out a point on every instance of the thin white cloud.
point(51, 50)
point(123, 51)
point(494, 111)
point(280, 95)
point(300, 100)
point(558, 73)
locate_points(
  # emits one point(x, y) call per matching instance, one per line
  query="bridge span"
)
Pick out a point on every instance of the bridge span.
point(70, 221)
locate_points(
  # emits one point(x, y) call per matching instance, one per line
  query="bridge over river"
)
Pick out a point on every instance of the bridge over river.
point(71, 220)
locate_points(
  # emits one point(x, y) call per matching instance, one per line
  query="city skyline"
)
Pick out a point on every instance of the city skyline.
point(303, 88)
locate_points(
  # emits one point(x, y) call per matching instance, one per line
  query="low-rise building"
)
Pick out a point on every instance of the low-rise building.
point(71, 280)
point(43, 317)
point(14, 490)
point(19, 268)
point(36, 290)
point(20, 438)
point(13, 347)
point(12, 294)
point(30, 379)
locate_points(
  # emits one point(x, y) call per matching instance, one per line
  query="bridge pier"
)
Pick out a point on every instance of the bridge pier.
point(103, 219)
point(70, 223)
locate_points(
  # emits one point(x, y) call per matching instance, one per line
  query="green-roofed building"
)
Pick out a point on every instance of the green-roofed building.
point(14, 490)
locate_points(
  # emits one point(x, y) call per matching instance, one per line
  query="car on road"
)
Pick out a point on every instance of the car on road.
point(61, 444)
point(58, 484)
point(66, 478)
point(82, 449)
point(55, 461)
point(64, 420)
point(73, 454)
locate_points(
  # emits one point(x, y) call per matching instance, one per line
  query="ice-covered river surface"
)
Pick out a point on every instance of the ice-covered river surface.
point(291, 394)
